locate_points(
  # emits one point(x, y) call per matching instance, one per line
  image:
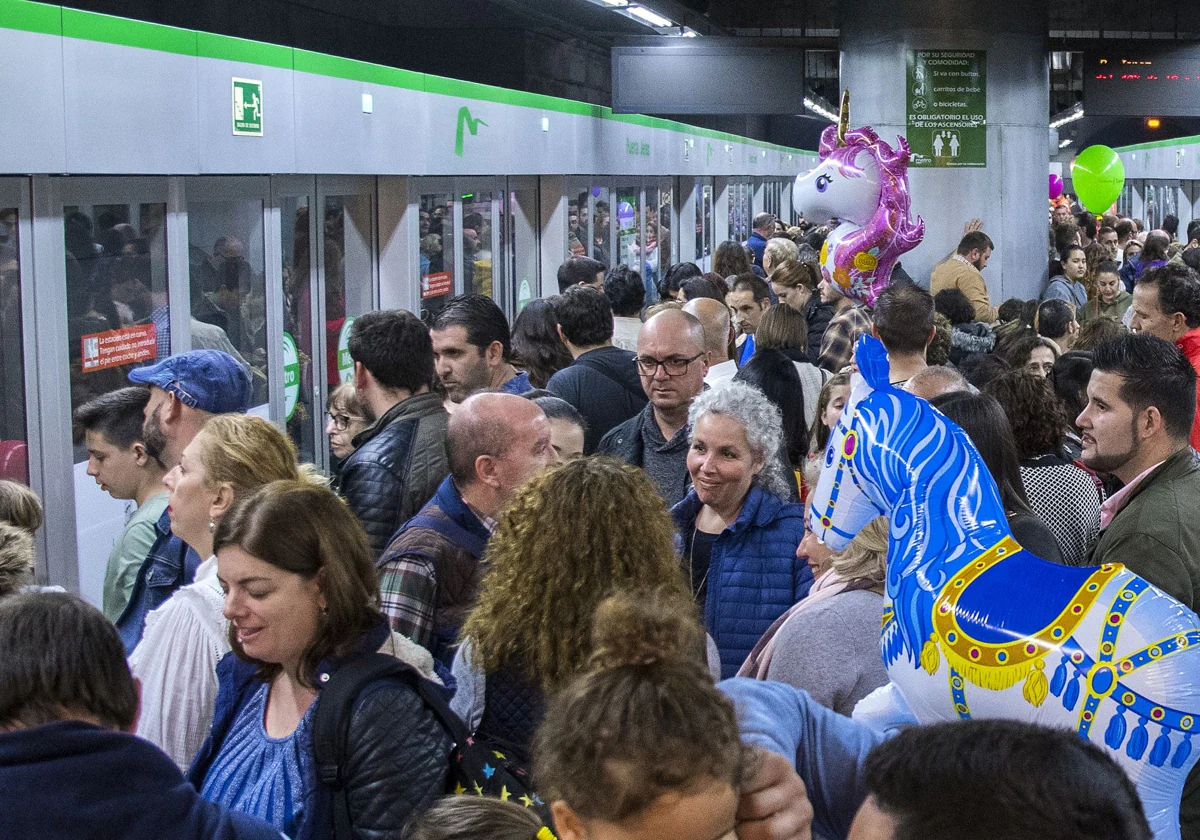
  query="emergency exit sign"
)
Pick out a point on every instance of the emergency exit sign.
point(247, 107)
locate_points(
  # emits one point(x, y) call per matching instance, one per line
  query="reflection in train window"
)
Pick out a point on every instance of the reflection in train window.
point(297, 317)
point(14, 457)
point(478, 260)
point(228, 285)
point(117, 311)
point(437, 252)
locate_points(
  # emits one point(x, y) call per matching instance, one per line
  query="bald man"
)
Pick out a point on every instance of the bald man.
point(714, 317)
point(672, 361)
point(430, 573)
point(935, 380)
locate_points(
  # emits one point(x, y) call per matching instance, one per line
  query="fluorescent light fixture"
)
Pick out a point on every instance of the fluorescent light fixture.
point(1065, 143)
point(819, 109)
point(1075, 113)
point(646, 16)
point(618, 3)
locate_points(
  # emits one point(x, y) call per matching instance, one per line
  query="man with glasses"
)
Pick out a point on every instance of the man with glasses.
point(671, 363)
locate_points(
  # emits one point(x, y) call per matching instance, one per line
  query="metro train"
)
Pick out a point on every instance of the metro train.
point(163, 189)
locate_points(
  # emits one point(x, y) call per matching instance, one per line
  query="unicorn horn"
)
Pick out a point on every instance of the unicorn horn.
point(844, 119)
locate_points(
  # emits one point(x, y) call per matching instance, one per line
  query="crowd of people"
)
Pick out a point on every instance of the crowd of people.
point(566, 562)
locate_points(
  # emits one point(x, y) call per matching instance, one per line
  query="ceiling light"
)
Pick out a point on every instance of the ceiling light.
point(1153, 122)
point(1065, 143)
point(818, 108)
point(619, 3)
point(647, 16)
point(1075, 113)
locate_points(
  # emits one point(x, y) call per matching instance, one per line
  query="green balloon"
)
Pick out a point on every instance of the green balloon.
point(1098, 176)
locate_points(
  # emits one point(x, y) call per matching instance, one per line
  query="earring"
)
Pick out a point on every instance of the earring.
point(212, 527)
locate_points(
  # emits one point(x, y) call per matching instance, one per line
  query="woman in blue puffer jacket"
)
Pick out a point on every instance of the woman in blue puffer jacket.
point(739, 532)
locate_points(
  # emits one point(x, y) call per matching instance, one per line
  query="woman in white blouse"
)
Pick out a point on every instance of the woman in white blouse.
point(186, 637)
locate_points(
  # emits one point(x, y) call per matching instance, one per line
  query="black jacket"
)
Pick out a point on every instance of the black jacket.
point(74, 781)
point(818, 315)
point(604, 387)
point(398, 756)
point(396, 467)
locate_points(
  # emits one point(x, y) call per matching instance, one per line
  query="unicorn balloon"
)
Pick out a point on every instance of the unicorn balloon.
point(863, 182)
point(975, 626)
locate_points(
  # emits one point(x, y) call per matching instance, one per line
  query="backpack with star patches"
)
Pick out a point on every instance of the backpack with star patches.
point(478, 766)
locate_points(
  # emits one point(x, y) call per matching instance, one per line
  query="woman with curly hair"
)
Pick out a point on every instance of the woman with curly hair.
point(563, 544)
point(739, 530)
point(1063, 495)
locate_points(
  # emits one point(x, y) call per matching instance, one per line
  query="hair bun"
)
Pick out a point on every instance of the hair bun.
point(643, 628)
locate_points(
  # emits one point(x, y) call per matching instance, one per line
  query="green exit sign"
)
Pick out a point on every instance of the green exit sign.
point(247, 108)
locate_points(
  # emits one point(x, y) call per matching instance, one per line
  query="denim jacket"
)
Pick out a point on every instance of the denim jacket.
point(170, 564)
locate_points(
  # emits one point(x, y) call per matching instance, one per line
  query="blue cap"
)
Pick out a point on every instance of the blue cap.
point(208, 380)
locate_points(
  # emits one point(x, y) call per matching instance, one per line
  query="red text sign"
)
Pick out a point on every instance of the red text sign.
point(119, 347)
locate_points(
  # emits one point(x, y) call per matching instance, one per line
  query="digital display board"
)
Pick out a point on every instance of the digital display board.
point(1141, 80)
point(707, 76)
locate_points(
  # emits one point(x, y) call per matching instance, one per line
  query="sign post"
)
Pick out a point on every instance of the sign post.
point(946, 96)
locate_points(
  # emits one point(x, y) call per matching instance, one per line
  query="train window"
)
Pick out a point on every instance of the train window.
point(117, 311)
point(437, 252)
point(14, 458)
point(658, 253)
point(589, 224)
point(521, 240)
point(297, 319)
point(228, 284)
point(479, 262)
point(704, 224)
point(348, 276)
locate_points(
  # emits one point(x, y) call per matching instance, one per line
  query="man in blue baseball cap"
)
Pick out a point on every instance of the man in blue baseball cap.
point(185, 391)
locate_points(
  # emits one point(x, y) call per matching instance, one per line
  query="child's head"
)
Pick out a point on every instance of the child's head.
point(832, 399)
point(642, 745)
point(479, 818)
point(111, 428)
point(20, 506)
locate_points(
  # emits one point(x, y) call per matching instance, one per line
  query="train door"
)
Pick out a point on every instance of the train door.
point(521, 242)
point(299, 307)
point(112, 292)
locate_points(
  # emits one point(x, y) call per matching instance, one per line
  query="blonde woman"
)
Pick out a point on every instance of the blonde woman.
point(828, 644)
point(185, 638)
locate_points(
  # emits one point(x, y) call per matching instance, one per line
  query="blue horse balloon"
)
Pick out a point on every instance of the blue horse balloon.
point(975, 626)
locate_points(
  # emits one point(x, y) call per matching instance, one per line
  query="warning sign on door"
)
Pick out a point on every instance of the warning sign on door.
point(437, 284)
point(119, 347)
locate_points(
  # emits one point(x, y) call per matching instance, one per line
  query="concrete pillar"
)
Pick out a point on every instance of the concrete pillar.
point(1009, 194)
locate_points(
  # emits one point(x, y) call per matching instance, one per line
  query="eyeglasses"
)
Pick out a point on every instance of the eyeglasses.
point(340, 422)
point(674, 366)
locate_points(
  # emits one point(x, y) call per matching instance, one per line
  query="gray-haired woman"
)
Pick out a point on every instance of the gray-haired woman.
point(738, 527)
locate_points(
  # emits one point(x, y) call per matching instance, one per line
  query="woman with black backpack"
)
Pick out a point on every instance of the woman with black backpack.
point(302, 597)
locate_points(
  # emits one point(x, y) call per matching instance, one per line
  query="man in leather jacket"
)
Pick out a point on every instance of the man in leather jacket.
point(399, 461)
